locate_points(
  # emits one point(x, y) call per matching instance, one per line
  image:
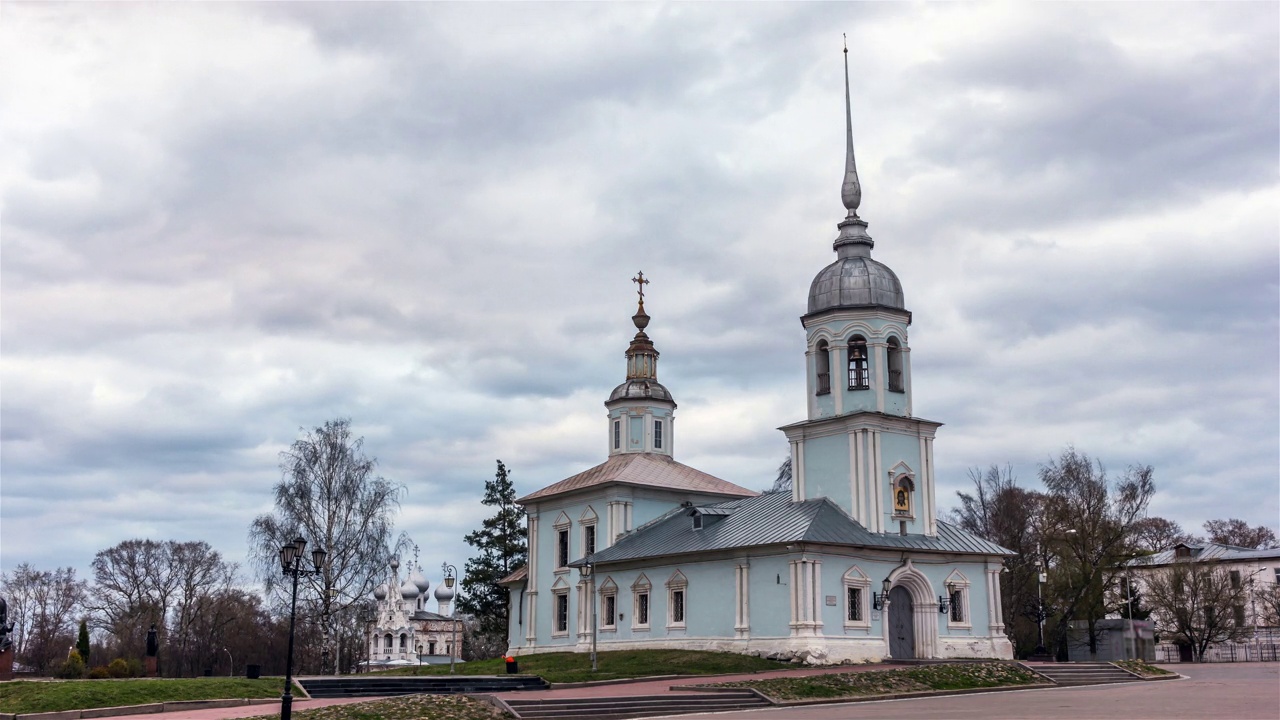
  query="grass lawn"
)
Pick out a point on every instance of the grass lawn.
point(26, 696)
point(576, 667)
point(945, 676)
point(1139, 667)
point(410, 707)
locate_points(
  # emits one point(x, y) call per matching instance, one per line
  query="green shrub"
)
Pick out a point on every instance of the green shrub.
point(99, 673)
point(73, 668)
point(136, 668)
point(118, 668)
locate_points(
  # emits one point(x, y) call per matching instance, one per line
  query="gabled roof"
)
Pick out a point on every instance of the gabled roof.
point(1208, 551)
point(643, 470)
point(518, 576)
point(773, 518)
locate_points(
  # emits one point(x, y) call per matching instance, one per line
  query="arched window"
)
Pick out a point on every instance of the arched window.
point(895, 365)
point(823, 360)
point(404, 643)
point(388, 642)
point(858, 363)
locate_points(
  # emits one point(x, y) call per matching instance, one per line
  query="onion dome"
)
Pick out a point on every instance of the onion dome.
point(642, 361)
point(854, 279)
point(409, 591)
point(420, 581)
point(444, 594)
point(380, 593)
point(395, 563)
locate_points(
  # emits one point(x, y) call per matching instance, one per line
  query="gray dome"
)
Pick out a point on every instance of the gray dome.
point(409, 591)
point(856, 281)
point(420, 581)
point(641, 390)
point(444, 593)
point(380, 593)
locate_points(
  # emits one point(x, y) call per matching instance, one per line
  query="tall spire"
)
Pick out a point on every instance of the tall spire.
point(853, 238)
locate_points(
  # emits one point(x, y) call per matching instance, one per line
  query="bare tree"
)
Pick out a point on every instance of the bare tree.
point(43, 608)
point(1154, 534)
point(1010, 516)
point(1197, 604)
point(1238, 533)
point(782, 483)
point(1089, 528)
point(330, 494)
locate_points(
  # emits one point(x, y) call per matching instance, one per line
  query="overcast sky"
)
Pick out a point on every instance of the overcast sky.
point(224, 223)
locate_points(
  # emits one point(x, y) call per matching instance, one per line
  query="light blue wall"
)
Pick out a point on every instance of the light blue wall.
point(826, 470)
point(770, 597)
point(895, 448)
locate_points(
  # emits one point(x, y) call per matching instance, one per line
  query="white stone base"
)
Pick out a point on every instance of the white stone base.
point(819, 650)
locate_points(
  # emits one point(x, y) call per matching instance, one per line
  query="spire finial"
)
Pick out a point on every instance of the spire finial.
point(640, 281)
point(641, 318)
point(853, 238)
point(851, 190)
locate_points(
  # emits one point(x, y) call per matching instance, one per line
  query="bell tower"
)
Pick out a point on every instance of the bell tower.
point(861, 446)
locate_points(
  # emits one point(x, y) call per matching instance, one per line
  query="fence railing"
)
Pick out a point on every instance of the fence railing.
point(1222, 652)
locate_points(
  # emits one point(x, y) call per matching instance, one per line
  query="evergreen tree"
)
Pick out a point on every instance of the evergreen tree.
point(504, 548)
point(82, 642)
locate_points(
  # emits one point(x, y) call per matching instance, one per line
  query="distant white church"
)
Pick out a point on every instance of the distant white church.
point(851, 565)
point(403, 631)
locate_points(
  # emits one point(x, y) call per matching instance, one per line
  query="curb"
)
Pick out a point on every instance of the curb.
point(145, 709)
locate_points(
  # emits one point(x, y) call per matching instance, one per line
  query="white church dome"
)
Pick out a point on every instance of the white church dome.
point(409, 591)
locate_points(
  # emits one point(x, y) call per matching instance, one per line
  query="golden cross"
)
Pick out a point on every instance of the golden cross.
point(640, 280)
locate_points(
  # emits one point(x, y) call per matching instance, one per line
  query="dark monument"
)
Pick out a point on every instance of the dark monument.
point(153, 649)
point(6, 642)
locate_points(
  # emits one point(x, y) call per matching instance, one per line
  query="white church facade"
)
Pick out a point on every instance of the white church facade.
point(851, 565)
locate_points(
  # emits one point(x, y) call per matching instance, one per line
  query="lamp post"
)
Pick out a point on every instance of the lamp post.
point(291, 564)
point(587, 572)
point(231, 670)
point(450, 577)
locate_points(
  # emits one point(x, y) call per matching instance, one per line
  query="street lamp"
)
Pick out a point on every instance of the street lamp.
point(291, 564)
point(450, 577)
point(587, 572)
point(231, 670)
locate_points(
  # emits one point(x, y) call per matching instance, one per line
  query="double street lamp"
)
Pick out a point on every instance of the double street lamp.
point(291, 564)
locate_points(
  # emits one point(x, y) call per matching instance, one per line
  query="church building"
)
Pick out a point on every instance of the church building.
point(851, 565)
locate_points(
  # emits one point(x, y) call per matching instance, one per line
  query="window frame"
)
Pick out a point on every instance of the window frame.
point(958, 615)
point(562, 549)
point(859, 365)
point(641, 591)
point(559, 601)
point(617, 434)
point(657, 434)
point(896, 376)
point(907, 485)
point(677, 599)
point(590, 538)
point(822, 367)
point(856, 580)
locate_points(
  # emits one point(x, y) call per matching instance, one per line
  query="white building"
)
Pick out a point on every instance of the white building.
point(404, 632)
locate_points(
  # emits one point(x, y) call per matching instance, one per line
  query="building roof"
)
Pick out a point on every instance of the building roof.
point(426, 615)
point(518, 576)
point(1208, 551)
point(855, 282)
point(774, 518)
point(643, 470)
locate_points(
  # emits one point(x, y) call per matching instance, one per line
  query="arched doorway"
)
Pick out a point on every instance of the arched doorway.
point(902, 635)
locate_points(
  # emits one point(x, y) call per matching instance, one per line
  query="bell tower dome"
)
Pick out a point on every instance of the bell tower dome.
point(641, 409)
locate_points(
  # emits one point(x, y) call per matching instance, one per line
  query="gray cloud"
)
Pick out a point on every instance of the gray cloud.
point(223, 223)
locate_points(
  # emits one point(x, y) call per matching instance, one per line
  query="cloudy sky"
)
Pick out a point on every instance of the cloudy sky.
point(223, 223)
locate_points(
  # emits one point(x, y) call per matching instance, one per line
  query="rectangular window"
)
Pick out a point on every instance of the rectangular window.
point(957, 606)
point(1238, 612)
point(610, 611)
point(677, 607)
point(589, 539)
point(1209, 616)
point(657, 434)
point(562, 612)
point(854, 605)
point(1235, 579)
point(617, 434)
point(562, 548)
point(642, 609)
